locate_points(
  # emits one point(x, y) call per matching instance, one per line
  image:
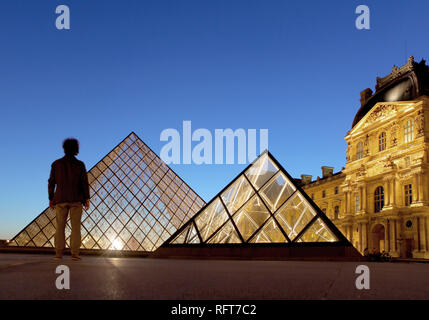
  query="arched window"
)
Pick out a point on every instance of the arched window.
point(359, 151)
point(408, 131)
point(382, 141)
point(378, 199)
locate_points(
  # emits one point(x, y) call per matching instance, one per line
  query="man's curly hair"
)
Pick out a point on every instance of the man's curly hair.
point(71, 146)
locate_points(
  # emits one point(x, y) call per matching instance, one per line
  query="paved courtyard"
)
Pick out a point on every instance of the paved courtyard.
point(33, 277)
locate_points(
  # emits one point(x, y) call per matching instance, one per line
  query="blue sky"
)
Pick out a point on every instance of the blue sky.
point(293, 67)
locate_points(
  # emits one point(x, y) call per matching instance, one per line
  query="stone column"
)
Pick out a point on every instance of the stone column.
point(398, 236)
point(394, 245)
point(386, 186)
point(392, 235)
point(387, 237)
point(360, 247)
point(349, 202)
point(345, 204)
point(416, 188)
point(421, 186)
point(364, 198)
point(393, 191)
point(416, 233)
point(426, 233)
point(360, 198)
point(422, 234)
point(364, 236)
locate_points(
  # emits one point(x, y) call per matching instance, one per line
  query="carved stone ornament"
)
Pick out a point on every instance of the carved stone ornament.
point(393, 132)
point(361, 171)
point(419, 121)
point(388, 163)
point(382, 111)
point(366, 145)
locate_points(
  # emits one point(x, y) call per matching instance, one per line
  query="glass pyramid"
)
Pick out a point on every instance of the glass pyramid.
point(137, 202)
point(262, 205)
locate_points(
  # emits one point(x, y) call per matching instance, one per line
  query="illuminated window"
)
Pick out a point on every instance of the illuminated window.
point(408, 188)
point(378, 199)
point(336, 211)
point(382, 141)
point(408, 131)
point(357, 204)
point(359, 151)
point(336, 190)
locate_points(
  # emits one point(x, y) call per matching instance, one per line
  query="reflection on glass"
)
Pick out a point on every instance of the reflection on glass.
point(317, 232)
point(211, 218)
point(277, 191)
point(237, 194)
point(192, 235)
point(251, 217)
point(270, 233)
point(294, 215)
point(226, 234)
point(261, 171)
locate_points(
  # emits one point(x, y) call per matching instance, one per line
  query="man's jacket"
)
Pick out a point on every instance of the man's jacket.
point(71, 180)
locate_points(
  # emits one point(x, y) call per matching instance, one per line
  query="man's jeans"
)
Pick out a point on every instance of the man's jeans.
point(62, 210)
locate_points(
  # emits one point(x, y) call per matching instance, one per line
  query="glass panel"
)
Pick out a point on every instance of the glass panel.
point(133, 244)
point(318, 232)
point(49, 231)
point(227, 234)
point(277, 191)
point(181, 237)
point(251, 217)
point(294, 215)
point(88, 242)
point(192, 235)
point(211, 218)
point(42, 220)
point(104, 243)
point(22, 239)
point(237, 194)
point(270, 233)
point(32, 230)
point(261, 171)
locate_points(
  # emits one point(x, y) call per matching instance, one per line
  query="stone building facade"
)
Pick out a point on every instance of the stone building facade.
point(380, 200)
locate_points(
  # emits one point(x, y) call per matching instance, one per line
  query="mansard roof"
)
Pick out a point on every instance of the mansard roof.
point(405, 83)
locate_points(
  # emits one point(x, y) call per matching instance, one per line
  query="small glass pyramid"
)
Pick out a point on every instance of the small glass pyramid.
point(262, 205)
point(137, 202)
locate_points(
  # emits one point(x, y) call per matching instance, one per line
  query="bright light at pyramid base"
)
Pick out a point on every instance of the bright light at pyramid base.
point(117, 245)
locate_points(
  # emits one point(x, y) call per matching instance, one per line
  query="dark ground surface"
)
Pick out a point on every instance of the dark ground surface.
point(29, 276)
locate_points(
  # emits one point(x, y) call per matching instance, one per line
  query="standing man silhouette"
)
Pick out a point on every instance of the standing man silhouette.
point(68, 191)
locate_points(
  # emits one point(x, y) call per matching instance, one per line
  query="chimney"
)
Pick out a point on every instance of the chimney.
point(327, 171)
point(306, 178)
point(365, 95)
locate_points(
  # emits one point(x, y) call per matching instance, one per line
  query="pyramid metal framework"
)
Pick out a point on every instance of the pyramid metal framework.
point(263, 204)
point(137, 202)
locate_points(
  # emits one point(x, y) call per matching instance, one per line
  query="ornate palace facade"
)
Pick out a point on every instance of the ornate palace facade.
point(380, 200)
